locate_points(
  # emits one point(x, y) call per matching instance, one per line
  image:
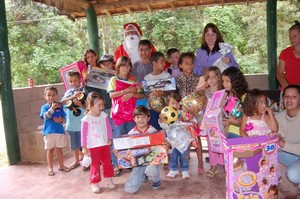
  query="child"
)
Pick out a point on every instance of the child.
point(173, 100)
point(258, 118)
point(95, 139)
point(54, 133)
point(73, 124)
point(186, 84)
point(235, 85)
point(122, 126)
point(158, 62)
point(214, 83)
point(107, 62)
point(144, 66)
point(173, 56)
point(141, 174)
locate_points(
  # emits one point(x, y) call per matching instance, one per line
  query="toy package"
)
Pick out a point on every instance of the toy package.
point(213, 121)
point(76, 66)
point(153, 155)
point(161, 84)
point(251, 166)
point(99, 78)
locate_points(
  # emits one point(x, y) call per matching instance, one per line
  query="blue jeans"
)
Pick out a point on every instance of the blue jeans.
point(154, 116)
point(183, 159)
point(292, 162)
point(136, 177)
point(120, 130)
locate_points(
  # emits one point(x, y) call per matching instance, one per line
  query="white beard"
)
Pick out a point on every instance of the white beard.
point(131, 46)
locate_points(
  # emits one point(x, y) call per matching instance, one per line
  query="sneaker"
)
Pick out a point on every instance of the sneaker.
point(172, 174)
point(185, 174)
point(111, 184)
point(95, 188)
point(156, 185)
point(145, 179)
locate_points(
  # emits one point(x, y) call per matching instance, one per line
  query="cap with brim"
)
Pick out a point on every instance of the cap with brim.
point(106, 57)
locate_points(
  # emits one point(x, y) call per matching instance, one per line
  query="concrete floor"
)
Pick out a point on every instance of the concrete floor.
point(31, 181)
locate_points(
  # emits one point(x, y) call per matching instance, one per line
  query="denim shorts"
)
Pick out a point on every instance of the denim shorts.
point(75, 137)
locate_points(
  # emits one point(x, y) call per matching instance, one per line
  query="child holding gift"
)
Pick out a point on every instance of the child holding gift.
point(236, 86)
point(141, 174)
point(73, 124)
point(158, 62)
point(54, 134)
point(173, 100)
point(214, 83)
point(258, 118)
point(96, 139)
point(186, 84)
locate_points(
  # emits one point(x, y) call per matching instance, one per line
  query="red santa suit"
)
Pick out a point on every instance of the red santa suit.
point(126, 50)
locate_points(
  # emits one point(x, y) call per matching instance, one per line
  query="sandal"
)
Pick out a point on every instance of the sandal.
point(211, 173)
point(117, 172)
point(64, 169)
point(51, 173)
point(74, 166)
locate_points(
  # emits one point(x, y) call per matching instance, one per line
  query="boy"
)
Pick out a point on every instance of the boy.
point(73, 124)
point(138, 175)
point(54, 134)
point(143, 67)
point(158, 62)
point(173, 57)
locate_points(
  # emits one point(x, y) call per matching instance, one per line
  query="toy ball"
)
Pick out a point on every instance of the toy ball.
point(157, 103)
point(171, 114)
point(194, 102)
point(186, 116)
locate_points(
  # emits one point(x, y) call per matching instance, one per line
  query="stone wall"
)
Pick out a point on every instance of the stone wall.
point(28, 102)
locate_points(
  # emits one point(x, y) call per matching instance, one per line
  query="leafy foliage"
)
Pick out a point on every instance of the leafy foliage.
point(41, 41)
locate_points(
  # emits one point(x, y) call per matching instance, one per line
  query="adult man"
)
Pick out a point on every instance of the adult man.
point(289, 125)
point(129, 48)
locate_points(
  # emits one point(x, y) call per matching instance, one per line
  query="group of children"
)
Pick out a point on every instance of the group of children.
point(92, 130)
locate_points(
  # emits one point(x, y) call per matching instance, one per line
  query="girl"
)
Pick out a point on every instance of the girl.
point(236, 86)
point(186, 84)
point(214, 83)
point(95, 138)
point(258, 118)
point(122, 96)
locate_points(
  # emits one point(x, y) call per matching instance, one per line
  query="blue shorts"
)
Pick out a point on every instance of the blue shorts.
point(75, 137)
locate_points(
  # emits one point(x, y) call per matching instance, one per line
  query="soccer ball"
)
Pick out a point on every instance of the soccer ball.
point(171, 114)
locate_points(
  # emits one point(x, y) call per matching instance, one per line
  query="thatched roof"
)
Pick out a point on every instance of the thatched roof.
point(77, 8)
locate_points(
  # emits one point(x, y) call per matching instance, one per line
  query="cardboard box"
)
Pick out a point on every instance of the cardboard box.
point(161, 84)
point(213, 121)
point(153, 155)
point(76, 66)
point(99, 78)
point(139, 141)
point(251, 166)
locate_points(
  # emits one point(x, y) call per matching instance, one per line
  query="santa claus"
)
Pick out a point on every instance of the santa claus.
point(129, 48)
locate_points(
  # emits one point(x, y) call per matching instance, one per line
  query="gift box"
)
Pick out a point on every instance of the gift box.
point(76, 66)
point(251, 166)
point(160, 84)
point(99, 78)
point(213, 121)
point(139, 141)
point(152, 155)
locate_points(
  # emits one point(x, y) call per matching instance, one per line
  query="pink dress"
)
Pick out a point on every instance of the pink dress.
point(257, 127)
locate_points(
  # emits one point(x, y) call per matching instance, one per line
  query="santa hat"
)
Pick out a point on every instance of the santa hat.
point(136, 28)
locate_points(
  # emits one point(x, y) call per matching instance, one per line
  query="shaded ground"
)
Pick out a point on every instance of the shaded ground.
point(31, 181)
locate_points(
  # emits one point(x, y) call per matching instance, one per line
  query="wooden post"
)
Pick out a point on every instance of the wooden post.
point(7, 100)
point(272, 42)
point(93, 30)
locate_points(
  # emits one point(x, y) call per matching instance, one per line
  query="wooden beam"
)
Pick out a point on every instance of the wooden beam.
point(129, 10)
point(108, 13)
point(149, 7)
point(127, 3)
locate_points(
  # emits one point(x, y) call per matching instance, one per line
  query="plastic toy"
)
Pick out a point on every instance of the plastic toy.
point(71, 105)
point(232, 107)
point(157, 103)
